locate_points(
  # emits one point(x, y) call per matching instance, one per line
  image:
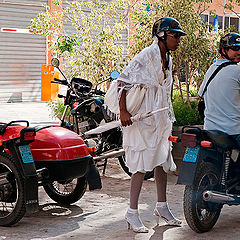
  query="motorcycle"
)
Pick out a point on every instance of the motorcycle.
point(49, 156)
point(88, 112)
point(211, 172)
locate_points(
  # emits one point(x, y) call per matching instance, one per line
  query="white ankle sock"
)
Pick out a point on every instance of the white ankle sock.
point(164, 211)
point(132, 211)
point(161, 204)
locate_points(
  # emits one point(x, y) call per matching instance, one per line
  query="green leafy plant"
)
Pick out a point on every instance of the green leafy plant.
point(184, 115)
point(94, 48)
point(57, 109)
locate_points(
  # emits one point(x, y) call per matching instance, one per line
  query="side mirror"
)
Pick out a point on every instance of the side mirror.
point(114, 74)
point(55, 62)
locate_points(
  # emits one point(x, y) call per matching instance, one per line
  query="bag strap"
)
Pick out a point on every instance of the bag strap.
point(214, 74)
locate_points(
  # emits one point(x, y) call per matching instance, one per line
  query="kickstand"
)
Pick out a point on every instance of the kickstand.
point(104, 166)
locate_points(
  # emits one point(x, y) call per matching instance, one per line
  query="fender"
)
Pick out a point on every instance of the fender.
point(189, 165)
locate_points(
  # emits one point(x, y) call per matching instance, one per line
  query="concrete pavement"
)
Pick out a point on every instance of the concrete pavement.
point(99, 215)
point(37, 113)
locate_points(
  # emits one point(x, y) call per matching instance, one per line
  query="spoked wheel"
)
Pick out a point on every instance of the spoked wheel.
point(66, 192)
point(12, 204)
point(122, 162)
point(201, 216)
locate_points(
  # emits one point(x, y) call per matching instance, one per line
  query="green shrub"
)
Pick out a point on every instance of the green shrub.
point(57, 109)
point(184, 115)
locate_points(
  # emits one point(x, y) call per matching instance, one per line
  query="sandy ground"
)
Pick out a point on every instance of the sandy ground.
point(100, 215)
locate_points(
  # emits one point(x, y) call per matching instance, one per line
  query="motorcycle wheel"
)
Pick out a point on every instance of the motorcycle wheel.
point(12, 204)
point(122, 162)
point(201, 216)
point(66, 192)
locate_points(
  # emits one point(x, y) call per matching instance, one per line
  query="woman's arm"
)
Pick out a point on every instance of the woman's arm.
point(124, 114)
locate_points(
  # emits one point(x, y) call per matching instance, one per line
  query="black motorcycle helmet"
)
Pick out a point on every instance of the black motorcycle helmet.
point(165, 25)
point(230, 40)
point(162, 27)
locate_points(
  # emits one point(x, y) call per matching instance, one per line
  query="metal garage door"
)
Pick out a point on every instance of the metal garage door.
point(21, 53)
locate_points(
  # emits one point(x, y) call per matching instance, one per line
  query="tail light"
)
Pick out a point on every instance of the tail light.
point(92, 151)
point(28, 134)
point(206, 144)
point(75, 104)
point(1, 143)
point(174, 139)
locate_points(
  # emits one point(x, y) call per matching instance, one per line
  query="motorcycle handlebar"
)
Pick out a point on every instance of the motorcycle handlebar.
point(98, 92)
point(63, 82)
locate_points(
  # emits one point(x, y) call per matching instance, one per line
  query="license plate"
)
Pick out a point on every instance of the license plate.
point(26, 154)
point(191, 154)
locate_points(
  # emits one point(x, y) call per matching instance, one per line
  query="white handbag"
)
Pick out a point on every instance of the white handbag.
point(134, 98)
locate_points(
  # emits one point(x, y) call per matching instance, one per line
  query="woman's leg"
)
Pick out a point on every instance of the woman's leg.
point(161, 183)
point(132, 216)
point(161, 209)
point(136, 185)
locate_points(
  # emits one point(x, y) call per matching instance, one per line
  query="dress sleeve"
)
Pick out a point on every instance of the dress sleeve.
point(122, 86)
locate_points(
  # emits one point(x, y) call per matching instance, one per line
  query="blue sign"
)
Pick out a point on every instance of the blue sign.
point(216, 23)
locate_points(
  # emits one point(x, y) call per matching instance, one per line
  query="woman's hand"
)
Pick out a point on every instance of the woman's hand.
point(124, 114)
point(125, 118)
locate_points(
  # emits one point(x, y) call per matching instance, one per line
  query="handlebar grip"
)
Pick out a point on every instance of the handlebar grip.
point(99, 92)
point(63, 82)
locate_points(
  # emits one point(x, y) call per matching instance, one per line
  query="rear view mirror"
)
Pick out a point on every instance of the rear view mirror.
point(114, 74)
point(55, 62)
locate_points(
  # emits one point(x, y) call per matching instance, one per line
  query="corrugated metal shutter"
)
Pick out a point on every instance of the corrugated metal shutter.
point(21, 54)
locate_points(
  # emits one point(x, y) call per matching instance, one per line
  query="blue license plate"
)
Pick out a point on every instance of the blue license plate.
point(191, 154)
point(26, 154)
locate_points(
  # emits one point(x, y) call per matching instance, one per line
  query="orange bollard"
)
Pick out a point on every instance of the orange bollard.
point(49, 91)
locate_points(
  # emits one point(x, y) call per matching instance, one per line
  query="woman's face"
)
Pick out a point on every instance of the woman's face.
point(173, 40)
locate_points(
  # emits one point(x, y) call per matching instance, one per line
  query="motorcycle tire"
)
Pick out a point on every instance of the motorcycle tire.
point(122, 162)
point(12, 203)
point(201, 216)
point(67, 192)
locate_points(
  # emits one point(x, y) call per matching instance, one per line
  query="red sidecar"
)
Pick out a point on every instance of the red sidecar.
point(51, 156)
point(61, 151)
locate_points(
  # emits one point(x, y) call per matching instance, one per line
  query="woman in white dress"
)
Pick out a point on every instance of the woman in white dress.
point(146, 142)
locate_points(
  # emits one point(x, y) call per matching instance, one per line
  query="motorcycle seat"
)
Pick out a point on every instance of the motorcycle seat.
point(219, 139)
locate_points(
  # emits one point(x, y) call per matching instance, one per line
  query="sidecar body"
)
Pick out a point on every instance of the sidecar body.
point(61, 151)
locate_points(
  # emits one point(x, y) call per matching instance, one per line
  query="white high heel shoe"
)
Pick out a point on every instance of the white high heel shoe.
point(135, 223)
point(170, 220)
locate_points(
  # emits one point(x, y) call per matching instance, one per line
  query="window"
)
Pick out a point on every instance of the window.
point(228, 21)
point(234, 22)
point(204, 18)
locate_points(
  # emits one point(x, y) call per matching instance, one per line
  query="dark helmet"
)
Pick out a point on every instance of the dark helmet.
point(229, 40)
point(166, 24)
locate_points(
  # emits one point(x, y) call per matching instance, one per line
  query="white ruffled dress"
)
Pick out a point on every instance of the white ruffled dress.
point(146, 142)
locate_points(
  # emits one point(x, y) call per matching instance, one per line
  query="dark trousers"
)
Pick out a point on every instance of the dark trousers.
point(237, 139)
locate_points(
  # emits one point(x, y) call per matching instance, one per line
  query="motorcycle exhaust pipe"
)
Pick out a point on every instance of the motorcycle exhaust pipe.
point(221, 198)
point(110, 154)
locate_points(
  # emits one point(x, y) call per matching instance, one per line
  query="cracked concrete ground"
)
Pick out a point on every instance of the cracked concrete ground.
point(100, 215)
